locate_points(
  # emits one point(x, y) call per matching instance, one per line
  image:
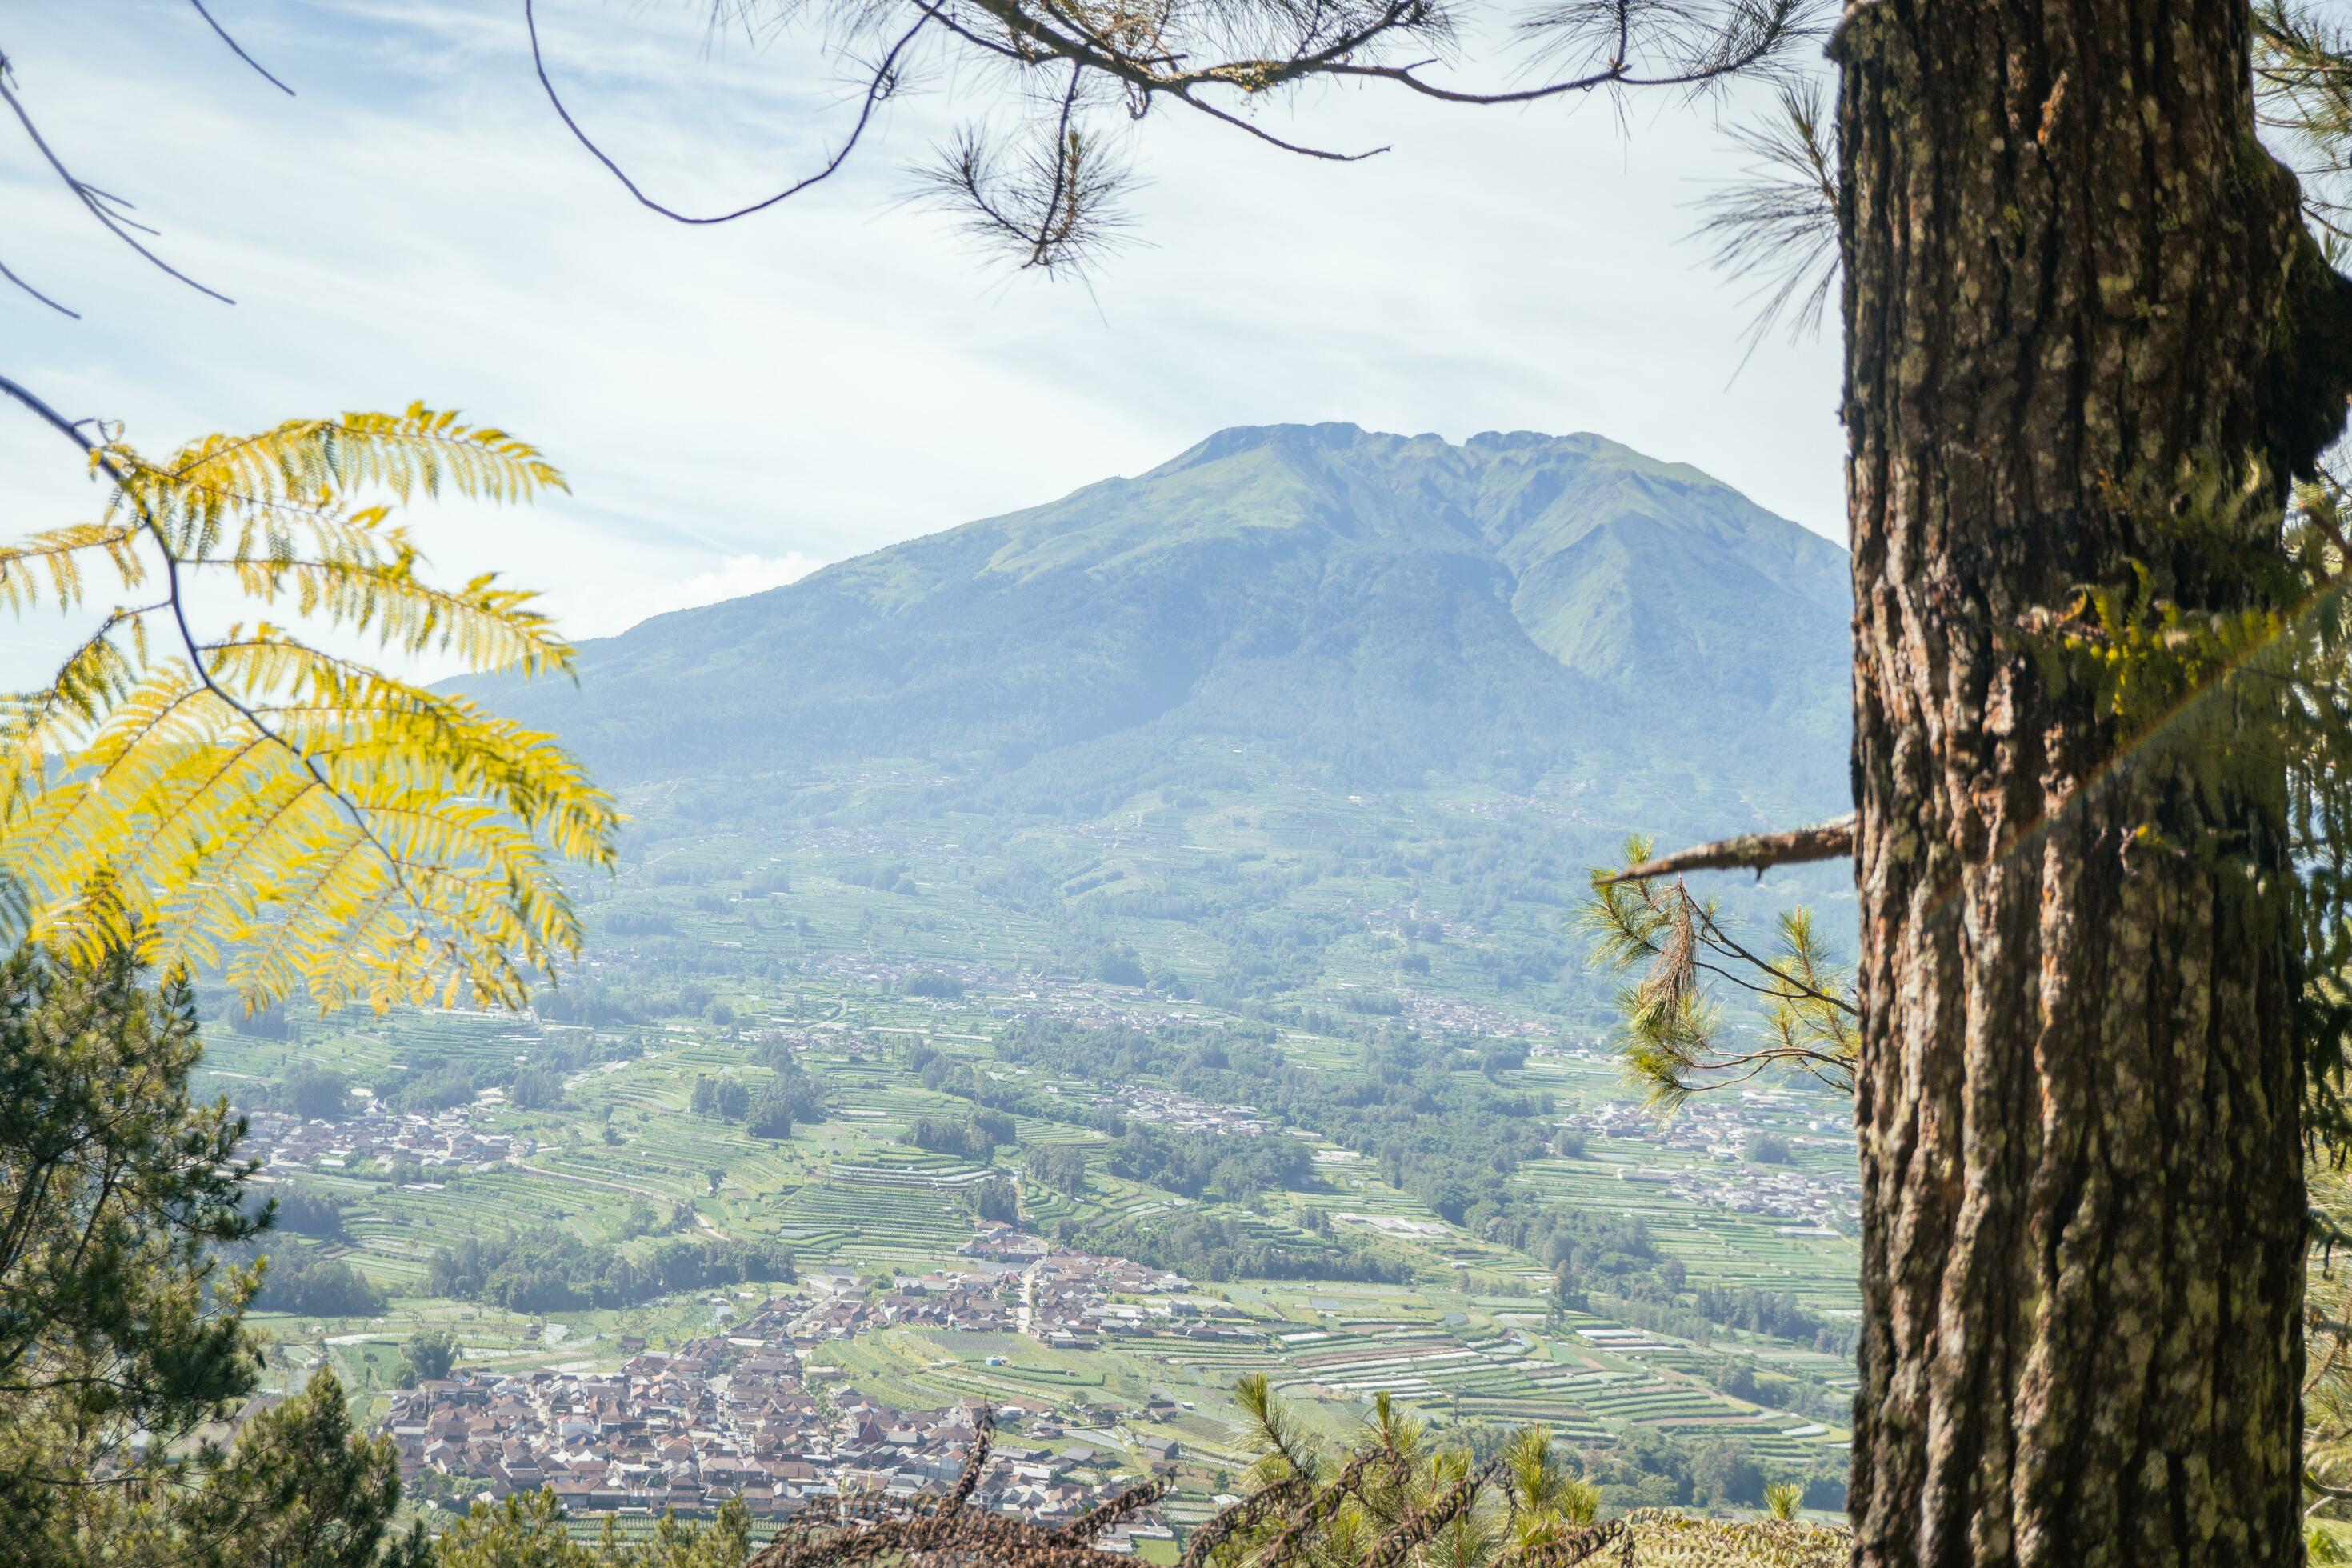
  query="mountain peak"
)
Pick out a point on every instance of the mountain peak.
point(1355, 604)
point(1238, 438)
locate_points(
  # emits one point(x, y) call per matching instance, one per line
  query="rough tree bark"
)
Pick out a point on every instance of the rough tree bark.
point(2070, 272)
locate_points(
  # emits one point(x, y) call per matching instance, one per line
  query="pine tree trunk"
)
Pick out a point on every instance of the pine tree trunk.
point(2071, 275)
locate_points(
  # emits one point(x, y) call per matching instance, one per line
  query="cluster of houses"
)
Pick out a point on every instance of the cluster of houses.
point(1722, 1133)
point(448, 1140)
point(1071, 1300)
point(736, 1415)
point(976, 1303)
point(1186, 1112)
point(1453, 1015)
point(1005, 994)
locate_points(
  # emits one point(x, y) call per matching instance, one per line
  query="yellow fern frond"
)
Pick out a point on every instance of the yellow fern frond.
point(298, 819)
point(303, 464)
point(486, 626)
point(56, 556)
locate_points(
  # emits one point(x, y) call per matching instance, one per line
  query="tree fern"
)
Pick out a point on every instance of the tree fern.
point(247, 798)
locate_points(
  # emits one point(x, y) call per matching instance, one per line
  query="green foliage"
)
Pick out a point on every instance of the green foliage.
point(932, 983)
point(1061, 1166)
point(2328, 1377)
point(121, 1332)
point(973, 1137)
point(2247, 697)
point(723, 1097)
point(771, 1116)
point(793, 1095)
point(427, 1357)
point(304, 1281)
point(116, 1315)
point(1773, 1312)
point(301, 1490)
point(1725, 1472)
point(1212, 1247)
point(1443, 1135)
point(527, 1531)
point(552, 1270)
point(262, 1023)
point(993, 1199)
point(1398, 1486)
point(537, 1088)
point(1199, 1163)
point(433, 1089)
point(315, 1093)
point(724, 1542)
point(307, 1214)
point(1568, 1295)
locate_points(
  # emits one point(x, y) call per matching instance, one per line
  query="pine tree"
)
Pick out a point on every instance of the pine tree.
point(2089, 341)
point(301, 1490)
point(120, 1327)
point(122, 1342)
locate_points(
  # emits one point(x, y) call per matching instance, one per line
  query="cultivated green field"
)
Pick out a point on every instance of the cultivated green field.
point(1346, 935)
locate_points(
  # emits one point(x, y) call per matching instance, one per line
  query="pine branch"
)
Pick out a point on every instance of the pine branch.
point(1756, 852)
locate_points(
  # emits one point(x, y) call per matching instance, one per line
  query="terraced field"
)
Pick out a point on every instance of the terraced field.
point(903, 1212)
point(1467, 1342)
point(1721, 1247)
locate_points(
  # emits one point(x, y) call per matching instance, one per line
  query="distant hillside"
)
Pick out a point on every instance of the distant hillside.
point(1365, 609)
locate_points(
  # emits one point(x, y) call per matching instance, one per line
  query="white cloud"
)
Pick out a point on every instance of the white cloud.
point(604, 608)
point(835, 375)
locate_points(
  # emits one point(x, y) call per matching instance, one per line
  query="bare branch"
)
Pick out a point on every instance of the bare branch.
point(883, 84)
point(239, 50)
point(37, 294)
point(1755, 852)
point(100, 204)
point(1193, 51)
point(1238, 122)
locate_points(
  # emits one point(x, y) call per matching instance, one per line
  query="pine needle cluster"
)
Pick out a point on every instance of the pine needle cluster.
point(1678, 1038)
point(253, 796)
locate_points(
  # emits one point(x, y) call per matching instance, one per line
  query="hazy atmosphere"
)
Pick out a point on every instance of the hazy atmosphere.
point(1074, 783)
point(843, 372)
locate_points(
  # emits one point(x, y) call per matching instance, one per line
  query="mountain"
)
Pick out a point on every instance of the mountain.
point(1360, 608)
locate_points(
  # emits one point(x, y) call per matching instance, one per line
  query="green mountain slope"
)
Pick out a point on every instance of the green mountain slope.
point(1357, 609)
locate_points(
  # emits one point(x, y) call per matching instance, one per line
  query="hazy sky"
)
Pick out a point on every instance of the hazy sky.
point(736, 404)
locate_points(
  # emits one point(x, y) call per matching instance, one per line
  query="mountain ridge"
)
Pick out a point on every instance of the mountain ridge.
point(1365, 605)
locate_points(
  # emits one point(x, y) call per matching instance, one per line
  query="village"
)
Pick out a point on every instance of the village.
point(1186, 1113)
point(742, 1413)
point(447, 1140)
point(1728, 1136)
